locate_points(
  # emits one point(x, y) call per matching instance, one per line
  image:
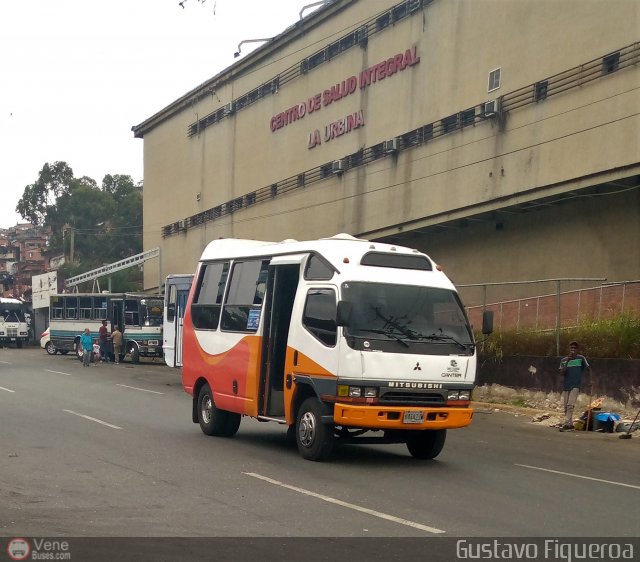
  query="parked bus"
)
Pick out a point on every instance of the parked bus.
point(334, 338)
point(176, 292)
point(13, 322)
point(138, 316)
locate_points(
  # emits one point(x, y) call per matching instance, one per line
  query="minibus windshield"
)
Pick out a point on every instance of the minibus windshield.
point(406, 312)
point(151, 312)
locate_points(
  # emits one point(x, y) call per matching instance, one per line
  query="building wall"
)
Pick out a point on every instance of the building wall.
point(584, 137)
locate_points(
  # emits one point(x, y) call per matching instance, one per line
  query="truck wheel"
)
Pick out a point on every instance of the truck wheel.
point(50, 348)
point(426, 444)
point(135, 355)
point(212, 420)
point(315, 440)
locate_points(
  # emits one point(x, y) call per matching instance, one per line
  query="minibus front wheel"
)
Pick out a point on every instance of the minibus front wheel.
point(426, 444)
point(315, 440)
point(212, 420)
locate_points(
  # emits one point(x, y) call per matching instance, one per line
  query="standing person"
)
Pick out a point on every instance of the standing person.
point(96, 355)
point(116, 339)
point(87, 347)
point(104, 336)
point(572, 367)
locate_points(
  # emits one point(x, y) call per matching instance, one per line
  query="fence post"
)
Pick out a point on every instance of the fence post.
point(558, 318)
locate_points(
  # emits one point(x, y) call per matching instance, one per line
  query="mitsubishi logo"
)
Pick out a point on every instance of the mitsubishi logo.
point(454, 363)
point(417, 367)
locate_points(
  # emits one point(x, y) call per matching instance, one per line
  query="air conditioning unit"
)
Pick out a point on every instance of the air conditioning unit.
point(490, 108)
point(182, 225)
point(337, 167)
point(391, 146)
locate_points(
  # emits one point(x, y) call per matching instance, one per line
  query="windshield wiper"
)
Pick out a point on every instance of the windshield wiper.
point(445, 337)
point(386, 333)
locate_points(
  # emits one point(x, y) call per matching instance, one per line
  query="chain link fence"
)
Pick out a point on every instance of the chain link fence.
point(564, 307)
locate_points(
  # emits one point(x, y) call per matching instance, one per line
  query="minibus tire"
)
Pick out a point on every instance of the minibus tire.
point(426, 444)
point(63, 351)
point(212, 420)
point(135, 354)
point(315, 440)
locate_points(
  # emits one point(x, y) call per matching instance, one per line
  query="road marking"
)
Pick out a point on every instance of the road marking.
point(7, 389)
point(579, 476)
point(143, 389)
point(379, 514)
point(92, 419)
point(59, 372)
point(5, 362)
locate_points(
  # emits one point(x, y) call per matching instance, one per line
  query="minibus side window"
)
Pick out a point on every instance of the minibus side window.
point(171, 303)
point(99, 308)
point(318, 268)
point(243, 303)
point(131, 313)
point(205, 309)
point(85, 308)
point(71, 307)
point(319, 317)
point(57, 308)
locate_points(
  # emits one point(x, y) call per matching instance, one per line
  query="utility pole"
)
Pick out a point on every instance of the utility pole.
point(73, 236)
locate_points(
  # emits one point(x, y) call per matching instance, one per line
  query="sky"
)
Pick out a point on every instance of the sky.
point(76, 75)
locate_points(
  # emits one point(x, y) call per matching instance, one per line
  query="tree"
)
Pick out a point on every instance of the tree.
point(54, 180)
point(106, 221)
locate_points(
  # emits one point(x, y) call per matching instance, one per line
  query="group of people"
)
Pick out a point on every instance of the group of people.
point(101, 350)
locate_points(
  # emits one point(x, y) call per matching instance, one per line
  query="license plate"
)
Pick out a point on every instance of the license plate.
point(413, 417)
point(153, 342)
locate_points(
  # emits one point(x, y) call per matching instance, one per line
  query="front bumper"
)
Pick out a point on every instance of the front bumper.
point(391, 417)
point(151, 351)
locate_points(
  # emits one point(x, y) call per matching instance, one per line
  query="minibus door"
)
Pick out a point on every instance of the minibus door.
point(116, 314)
point(282, 284)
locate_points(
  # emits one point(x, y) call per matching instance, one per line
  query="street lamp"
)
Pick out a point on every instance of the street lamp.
point(237, 53)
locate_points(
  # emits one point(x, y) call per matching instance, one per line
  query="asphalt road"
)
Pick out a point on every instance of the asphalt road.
point(110, 451)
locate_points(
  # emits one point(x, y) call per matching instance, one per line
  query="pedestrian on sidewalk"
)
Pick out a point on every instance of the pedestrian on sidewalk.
point(86, 343)
point(572, 367)
point(116, 339)
point(104, 337)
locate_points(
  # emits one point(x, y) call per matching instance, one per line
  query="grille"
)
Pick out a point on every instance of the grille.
point(418, 398)
point(12, 332)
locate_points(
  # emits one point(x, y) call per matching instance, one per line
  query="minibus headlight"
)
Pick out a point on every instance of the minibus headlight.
point(355, 392)
point(370, 392)
point(464, 395)
point(453, 395)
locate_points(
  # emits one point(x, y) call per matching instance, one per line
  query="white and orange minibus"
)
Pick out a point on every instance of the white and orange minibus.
point(338, 338)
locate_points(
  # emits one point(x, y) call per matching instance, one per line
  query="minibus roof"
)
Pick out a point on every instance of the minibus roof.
point(334, 249)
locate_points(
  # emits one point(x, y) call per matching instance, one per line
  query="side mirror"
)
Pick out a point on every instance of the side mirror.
point(343, 313)
point(487, 322)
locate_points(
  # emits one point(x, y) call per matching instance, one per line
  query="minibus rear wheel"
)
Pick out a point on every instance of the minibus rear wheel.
point(315, 440)
point(426, 444)
point(212, 420)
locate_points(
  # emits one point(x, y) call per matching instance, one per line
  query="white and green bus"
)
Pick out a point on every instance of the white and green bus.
point(138, 316)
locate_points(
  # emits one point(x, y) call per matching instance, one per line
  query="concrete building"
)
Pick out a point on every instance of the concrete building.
point(500, 137)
